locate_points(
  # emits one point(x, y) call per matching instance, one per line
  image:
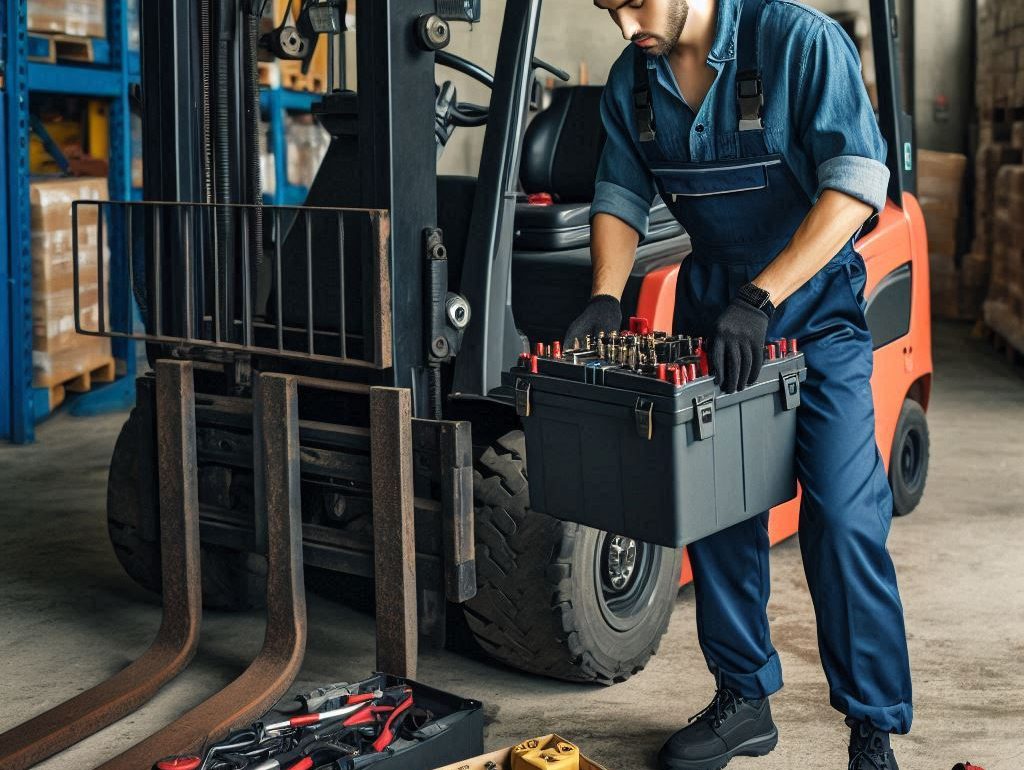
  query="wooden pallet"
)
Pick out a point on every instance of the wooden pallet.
point(293, 78)
point(53, 48)
point(100, 370)
point(1003, 327)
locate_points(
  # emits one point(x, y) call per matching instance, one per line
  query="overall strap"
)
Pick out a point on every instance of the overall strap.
point(749, 87)
point(643, 106)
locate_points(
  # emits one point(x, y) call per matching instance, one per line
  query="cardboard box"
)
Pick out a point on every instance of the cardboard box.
point(70, 17)
point(502, 759)
point(53, 287)
point(940, 175)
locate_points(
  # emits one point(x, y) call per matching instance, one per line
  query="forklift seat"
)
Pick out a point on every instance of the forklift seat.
point(561, 152)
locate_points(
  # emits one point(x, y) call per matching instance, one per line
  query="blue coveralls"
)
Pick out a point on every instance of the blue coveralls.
point(740, 212)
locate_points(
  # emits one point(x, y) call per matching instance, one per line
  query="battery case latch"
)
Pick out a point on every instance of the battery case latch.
point(790, 390)
point(643, 413)
point(704, 417)
point(522, 397)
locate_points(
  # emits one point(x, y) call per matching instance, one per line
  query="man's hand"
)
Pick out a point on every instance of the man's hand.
point(737, 348)
point(602, 314)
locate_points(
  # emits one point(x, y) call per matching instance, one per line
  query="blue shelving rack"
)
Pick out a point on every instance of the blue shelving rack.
point(276, 103)
point(18, 412)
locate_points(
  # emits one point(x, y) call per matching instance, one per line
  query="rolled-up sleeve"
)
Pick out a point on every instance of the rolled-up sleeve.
point(835, 120)
point(624, 186)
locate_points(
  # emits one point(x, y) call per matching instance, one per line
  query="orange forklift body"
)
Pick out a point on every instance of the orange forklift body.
point(903, 367)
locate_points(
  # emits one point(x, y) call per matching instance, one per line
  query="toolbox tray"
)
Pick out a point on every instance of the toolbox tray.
point(458, 725)
point(665, 464)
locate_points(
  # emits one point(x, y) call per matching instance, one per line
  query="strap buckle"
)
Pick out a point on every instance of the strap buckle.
point(643, 112)
point(750, 100)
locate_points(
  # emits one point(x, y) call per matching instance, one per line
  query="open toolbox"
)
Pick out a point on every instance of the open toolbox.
point(630, 434)
point(384, 722)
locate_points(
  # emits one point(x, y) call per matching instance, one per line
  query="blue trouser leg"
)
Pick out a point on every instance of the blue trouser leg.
point(731, 582)
point(844, 522)
point(845, 515)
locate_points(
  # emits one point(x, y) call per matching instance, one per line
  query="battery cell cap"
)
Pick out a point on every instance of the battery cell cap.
point(792, 347)
point(662, 372)
point(539, 348)
point(533, 364)
point(178, 763)
point(556, 349)
point(782, 347)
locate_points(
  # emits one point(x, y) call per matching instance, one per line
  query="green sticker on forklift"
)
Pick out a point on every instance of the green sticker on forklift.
point(908, 157)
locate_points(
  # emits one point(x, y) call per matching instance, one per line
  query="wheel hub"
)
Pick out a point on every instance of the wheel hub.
point(621, 561)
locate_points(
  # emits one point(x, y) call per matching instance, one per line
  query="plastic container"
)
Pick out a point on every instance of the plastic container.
point(665, 464)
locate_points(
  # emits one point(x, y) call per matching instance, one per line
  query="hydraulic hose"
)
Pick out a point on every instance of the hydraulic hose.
point(252, 20)
point(222, 153)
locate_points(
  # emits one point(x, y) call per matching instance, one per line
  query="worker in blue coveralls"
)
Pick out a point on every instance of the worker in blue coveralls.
point(751, 119)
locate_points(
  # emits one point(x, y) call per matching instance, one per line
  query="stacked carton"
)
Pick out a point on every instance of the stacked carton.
point(940, 188)
point(70, 17)
point(992, 271)
point(59, 353)
point(1004, 303)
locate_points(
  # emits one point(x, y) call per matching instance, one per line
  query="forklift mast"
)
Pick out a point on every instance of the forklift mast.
point(896, 124)
point(199, 98)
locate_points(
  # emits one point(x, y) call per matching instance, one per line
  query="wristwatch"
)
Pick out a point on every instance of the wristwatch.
point(758, 297)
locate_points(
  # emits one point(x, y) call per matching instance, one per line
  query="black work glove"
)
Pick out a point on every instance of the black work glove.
point(602, 314)
point(737, 348)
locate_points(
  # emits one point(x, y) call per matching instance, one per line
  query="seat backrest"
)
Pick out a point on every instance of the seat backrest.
point(563, 145)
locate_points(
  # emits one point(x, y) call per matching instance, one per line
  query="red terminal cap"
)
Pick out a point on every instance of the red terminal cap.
point(770, 348)
point(663, 372)
point(179, 763)
point(556, 349)
point(792, 347)
point(533, 364)
point(639, 325)
point(693, 371)
point(540, 199)
point(676, 377)
point(783, 345)
point(539, 348)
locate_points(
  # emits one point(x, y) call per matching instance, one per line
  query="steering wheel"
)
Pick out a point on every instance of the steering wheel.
point(467, 114)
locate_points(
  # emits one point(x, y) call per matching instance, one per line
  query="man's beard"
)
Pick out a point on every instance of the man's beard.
point(674, 29)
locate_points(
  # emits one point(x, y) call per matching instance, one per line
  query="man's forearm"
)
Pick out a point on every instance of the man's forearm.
point(830, 223)
point(613, 250)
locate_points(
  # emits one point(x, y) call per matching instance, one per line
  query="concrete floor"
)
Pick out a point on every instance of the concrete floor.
point(69, 617)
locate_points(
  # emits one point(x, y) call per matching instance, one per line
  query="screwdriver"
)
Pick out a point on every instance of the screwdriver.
point(353, 704)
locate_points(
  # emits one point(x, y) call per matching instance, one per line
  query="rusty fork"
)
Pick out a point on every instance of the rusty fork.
point(89, 712)
point(271, 673)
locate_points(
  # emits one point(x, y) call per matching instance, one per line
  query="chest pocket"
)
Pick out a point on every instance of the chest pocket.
point(697, 180)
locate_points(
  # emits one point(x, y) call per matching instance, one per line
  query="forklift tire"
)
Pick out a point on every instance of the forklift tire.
point(232, 580)
point(551, 600)
point(908, 463)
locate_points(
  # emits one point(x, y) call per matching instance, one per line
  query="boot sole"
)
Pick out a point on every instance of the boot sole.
point(755, 747)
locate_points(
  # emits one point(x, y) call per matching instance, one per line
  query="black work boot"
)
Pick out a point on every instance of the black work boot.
point(869, 748)
point(730, 726)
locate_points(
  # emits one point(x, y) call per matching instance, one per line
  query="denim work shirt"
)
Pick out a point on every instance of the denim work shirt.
point(817, 113)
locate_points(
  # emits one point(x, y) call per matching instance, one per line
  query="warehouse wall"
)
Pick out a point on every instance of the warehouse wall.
point(943, 67)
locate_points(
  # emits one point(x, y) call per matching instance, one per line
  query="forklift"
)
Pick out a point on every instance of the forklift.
point(393, 275)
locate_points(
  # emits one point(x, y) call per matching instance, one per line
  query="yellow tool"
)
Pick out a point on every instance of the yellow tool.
point(547, 755)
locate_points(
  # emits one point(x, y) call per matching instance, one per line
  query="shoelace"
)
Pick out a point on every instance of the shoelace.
point(724, 702)
point(870, 755)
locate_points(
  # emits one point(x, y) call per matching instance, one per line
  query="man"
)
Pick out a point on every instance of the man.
point(751, 119)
